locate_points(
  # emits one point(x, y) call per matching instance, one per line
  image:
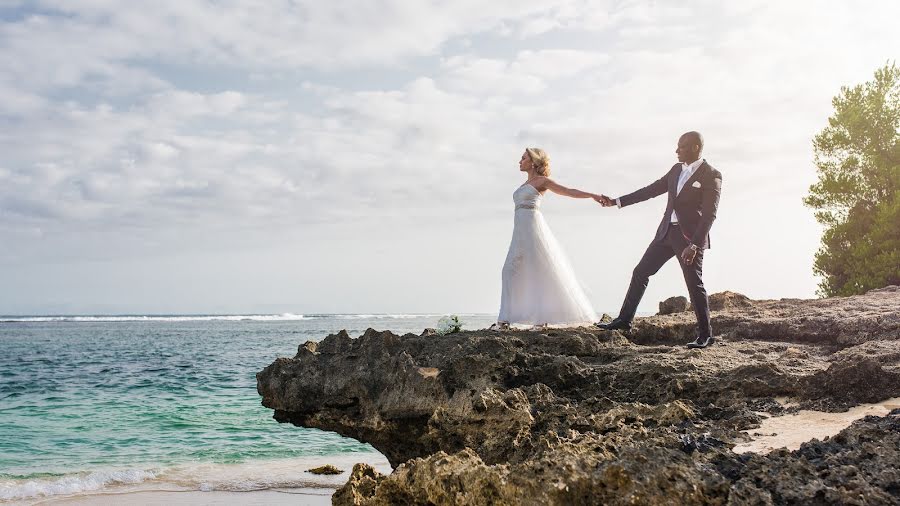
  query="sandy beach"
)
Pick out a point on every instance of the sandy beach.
point(295, 497)
point(790, 431)
point(283, 481)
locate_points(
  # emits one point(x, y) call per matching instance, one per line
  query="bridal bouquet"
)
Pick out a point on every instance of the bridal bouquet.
point(449, 325)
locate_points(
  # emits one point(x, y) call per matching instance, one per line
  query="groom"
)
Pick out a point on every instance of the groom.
point(693, 187)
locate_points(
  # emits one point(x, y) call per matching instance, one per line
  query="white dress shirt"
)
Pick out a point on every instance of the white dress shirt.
point(687, 170)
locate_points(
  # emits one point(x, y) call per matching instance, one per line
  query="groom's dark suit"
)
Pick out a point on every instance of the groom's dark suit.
point(694, 208)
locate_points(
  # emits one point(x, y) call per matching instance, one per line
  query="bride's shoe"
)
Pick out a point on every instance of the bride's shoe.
point(499, 326)
point(539, 327)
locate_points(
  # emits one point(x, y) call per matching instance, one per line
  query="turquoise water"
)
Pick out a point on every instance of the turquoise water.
point(95, 402)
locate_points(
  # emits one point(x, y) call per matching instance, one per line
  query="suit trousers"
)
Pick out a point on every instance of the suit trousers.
point(657, 254)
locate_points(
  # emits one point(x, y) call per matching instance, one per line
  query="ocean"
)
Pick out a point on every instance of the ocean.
point(101, 404)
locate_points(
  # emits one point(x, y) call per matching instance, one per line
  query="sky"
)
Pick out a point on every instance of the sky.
point(349, 156)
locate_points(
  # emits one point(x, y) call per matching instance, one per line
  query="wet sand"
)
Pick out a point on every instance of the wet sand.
point(277, 481)
point(295, 497)
point(790, 431)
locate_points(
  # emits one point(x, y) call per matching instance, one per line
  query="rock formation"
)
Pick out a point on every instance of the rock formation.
point(583, 416)
point(674, 305)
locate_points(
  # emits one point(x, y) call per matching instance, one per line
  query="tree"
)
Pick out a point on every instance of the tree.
point(857, 196)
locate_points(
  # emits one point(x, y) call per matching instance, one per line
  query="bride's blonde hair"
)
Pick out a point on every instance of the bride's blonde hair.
point(540, 160)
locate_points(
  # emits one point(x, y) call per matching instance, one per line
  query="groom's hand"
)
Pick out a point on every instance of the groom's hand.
point(688, 255)
point(605, 201)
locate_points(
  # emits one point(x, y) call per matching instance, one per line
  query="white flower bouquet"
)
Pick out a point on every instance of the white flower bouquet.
point(449, 325)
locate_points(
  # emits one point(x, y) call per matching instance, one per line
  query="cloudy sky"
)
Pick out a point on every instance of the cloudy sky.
point(350, 156)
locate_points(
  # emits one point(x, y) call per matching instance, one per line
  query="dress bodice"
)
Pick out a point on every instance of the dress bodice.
point(527, 197)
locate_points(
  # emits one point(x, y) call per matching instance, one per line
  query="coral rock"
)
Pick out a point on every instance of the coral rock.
point(584, 416)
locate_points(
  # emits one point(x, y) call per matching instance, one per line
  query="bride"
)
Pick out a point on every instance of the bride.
point(539, 287)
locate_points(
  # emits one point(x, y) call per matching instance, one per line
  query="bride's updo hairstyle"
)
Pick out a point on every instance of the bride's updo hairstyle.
point(540, 160)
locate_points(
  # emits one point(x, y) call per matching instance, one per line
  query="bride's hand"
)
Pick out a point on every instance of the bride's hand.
point(603, 200)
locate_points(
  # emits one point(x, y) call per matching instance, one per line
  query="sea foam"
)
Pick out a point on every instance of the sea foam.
point(201, 318)
point(242, 477)
point(71, 484)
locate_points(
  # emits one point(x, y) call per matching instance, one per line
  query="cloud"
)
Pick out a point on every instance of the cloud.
point(530, 72)
point(93, 82)
point(272, 116)
point(138, 146)
point(86, 37)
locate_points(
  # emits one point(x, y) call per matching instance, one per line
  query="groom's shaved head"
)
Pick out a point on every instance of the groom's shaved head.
point(690, 145)
point(694, 138)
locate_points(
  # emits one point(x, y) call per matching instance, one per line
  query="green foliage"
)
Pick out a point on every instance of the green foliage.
point(857, 196)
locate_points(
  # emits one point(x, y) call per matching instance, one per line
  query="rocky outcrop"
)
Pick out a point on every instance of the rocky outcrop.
point(582, 416)
point(858, 466)
point(674, 305)
point(717, 302)
point(837, 322)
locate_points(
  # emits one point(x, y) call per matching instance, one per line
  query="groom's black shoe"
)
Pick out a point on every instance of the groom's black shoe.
point(701, 342)
point(616, 324)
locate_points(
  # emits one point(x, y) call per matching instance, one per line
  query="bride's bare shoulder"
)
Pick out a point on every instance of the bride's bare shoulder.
point(541, 183)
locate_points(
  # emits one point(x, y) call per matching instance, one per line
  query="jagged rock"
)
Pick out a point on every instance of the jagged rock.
point(727, 300)
point(326, 469)
point(721, 301)
point(583, 416)
point(857, 466)
point(360, 488)
point(654, 476)
point(838, 322)
point(677, 304)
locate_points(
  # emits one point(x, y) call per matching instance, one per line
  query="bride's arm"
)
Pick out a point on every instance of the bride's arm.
point(549, 184)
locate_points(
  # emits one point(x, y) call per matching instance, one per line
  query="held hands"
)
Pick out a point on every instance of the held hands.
point(604, 201)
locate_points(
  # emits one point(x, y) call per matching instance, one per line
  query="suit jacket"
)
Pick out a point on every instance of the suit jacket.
point(695, 207)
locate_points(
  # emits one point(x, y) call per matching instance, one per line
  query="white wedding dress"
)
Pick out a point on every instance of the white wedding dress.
point(539, 286)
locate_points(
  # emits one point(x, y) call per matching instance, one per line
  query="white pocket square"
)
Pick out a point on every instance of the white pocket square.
point(696, 184)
